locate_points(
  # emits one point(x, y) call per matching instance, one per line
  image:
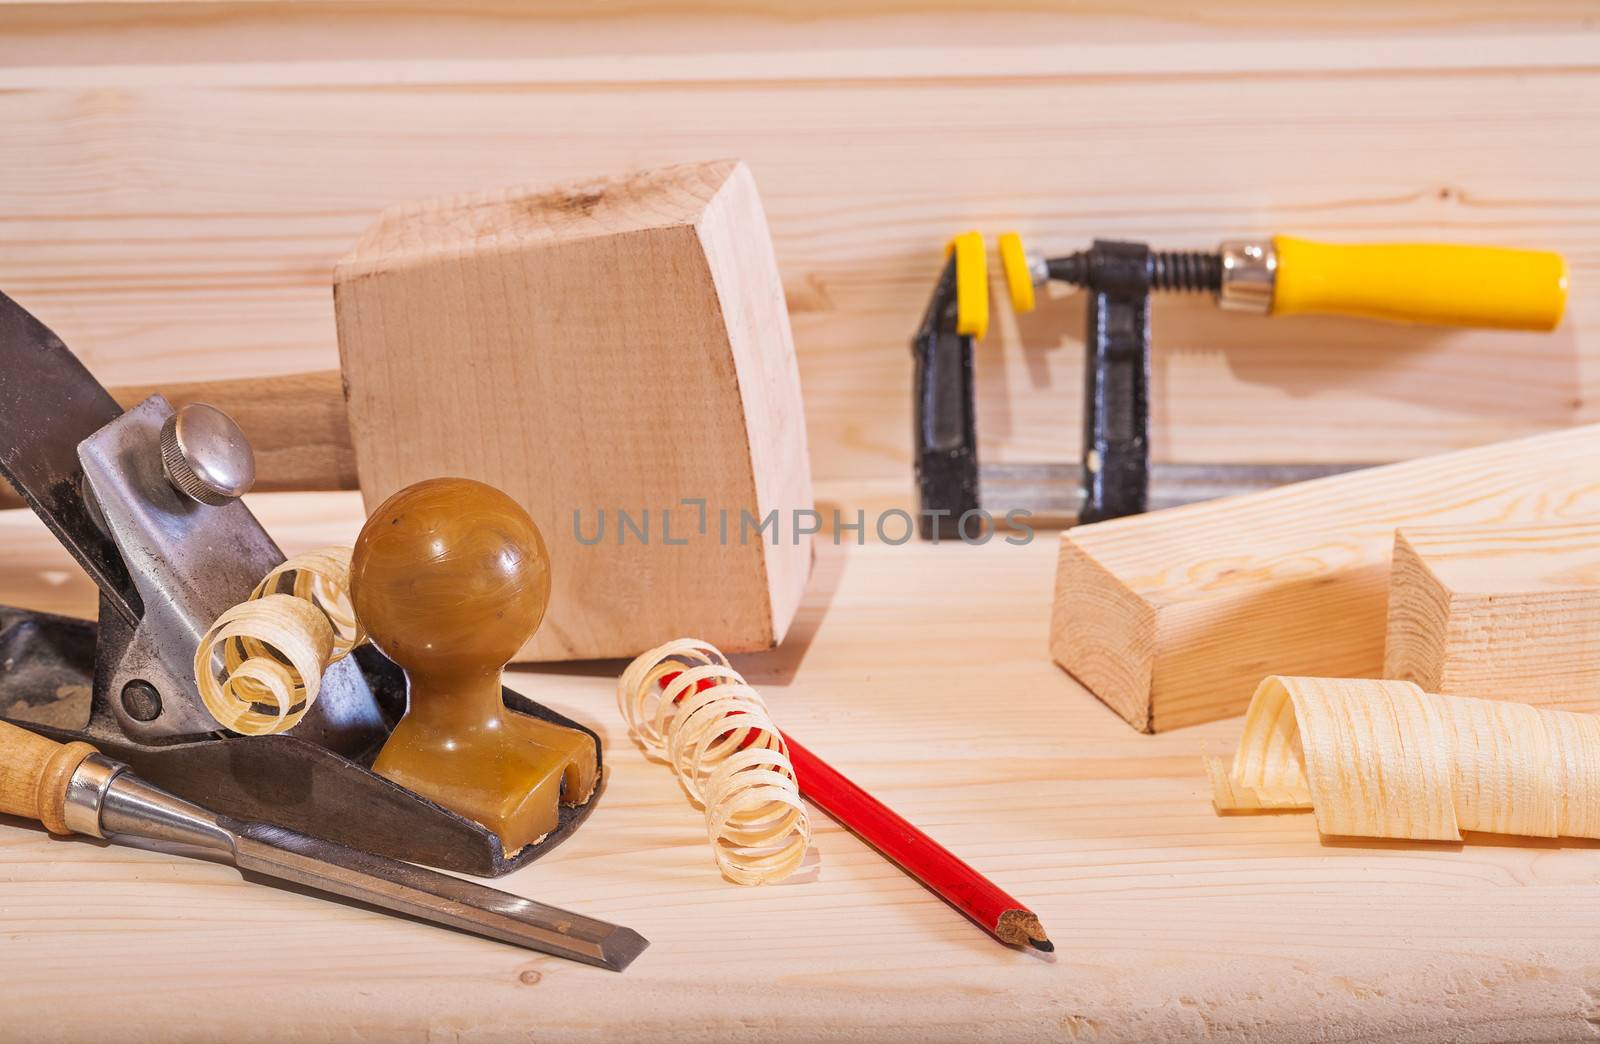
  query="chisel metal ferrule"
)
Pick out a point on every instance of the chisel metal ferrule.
point(86, 793)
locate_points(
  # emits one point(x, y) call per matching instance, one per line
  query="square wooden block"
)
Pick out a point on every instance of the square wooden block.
point(1501, 611)
point(616, 355)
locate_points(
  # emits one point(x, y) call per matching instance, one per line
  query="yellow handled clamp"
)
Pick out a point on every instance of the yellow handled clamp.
point(1440, 283)
point(1407, 282)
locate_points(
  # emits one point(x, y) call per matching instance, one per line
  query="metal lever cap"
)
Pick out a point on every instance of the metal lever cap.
point(205, 455)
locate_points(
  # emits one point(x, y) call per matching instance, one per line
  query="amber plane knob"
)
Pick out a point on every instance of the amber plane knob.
point(450, 578)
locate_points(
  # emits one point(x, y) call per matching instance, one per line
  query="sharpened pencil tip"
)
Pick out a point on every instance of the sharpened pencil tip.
point(1021, 927)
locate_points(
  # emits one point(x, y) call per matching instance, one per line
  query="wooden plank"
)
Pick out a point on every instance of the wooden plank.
point(1173, 923)
point(178, 221)
point(607, 353)
point(1174, 617)
point(1437, 54)
point(177, 229)
point(1500, 611)
point(664, 40)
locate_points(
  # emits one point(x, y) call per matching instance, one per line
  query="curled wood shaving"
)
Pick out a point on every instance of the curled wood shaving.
point(689, 708)
point(1385, 759)
point(321, 577)
point(260, 665)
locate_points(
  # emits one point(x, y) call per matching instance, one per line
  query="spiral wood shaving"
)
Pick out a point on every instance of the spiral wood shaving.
point(1385, 759)
point(260, 665)
point(714, 730)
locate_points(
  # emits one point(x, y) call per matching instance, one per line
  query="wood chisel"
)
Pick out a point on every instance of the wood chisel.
point(73, 789)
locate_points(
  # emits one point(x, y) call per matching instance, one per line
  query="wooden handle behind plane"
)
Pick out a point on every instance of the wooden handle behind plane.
point(296, 424)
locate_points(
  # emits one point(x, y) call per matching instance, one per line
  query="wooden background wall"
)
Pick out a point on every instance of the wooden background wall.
point(179, 177)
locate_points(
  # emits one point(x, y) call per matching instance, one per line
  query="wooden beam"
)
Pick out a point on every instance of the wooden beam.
point(1172, 618)
point(1500, 611)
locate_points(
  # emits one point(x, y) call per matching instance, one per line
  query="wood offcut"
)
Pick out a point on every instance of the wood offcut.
point(1172, 618)
point(1510, 612)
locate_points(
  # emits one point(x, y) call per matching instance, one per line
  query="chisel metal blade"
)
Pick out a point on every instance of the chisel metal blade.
point(434, 897)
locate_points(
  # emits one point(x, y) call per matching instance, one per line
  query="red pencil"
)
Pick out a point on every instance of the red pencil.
point(919, 855)
point(915, 852)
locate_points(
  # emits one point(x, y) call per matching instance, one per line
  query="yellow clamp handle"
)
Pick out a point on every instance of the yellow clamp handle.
point(1442, 283)
point(972, 284)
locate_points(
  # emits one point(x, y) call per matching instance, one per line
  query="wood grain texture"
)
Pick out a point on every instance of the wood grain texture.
point(182, 178)
point(1174, 617)
point(1172, 923)
point(1498, 611)
point(606, 353)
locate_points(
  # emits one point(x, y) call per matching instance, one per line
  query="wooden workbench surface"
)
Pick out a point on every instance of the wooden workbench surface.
point(922, 672)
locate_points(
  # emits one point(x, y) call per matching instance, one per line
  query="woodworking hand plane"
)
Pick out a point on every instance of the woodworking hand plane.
point(147, 502)
point(1445, 284)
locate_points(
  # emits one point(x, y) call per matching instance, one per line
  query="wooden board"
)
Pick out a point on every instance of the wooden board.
point(181, 178)
point(615, 355)
point(1174, 617)
point(1171, 923)
point(1500, 611)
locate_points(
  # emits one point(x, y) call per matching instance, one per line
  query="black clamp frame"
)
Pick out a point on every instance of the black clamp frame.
point(946, 418)
point(1119, 278)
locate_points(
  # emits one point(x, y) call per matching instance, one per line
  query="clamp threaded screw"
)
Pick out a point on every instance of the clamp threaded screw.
point(1180, 271)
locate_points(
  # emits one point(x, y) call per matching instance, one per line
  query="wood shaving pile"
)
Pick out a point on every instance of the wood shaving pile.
point(260, 665)
point(1385, 759)
point(714, 730)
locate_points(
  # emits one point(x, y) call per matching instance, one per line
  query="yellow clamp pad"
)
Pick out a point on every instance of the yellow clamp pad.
point(1447, 284)
point(972, 284)
point(1014, 263)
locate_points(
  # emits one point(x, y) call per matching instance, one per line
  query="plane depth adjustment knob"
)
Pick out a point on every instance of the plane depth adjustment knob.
point(205, 456)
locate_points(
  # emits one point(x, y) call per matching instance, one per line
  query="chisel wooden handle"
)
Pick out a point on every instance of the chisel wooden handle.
point(296, 424)
point(34, 773)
